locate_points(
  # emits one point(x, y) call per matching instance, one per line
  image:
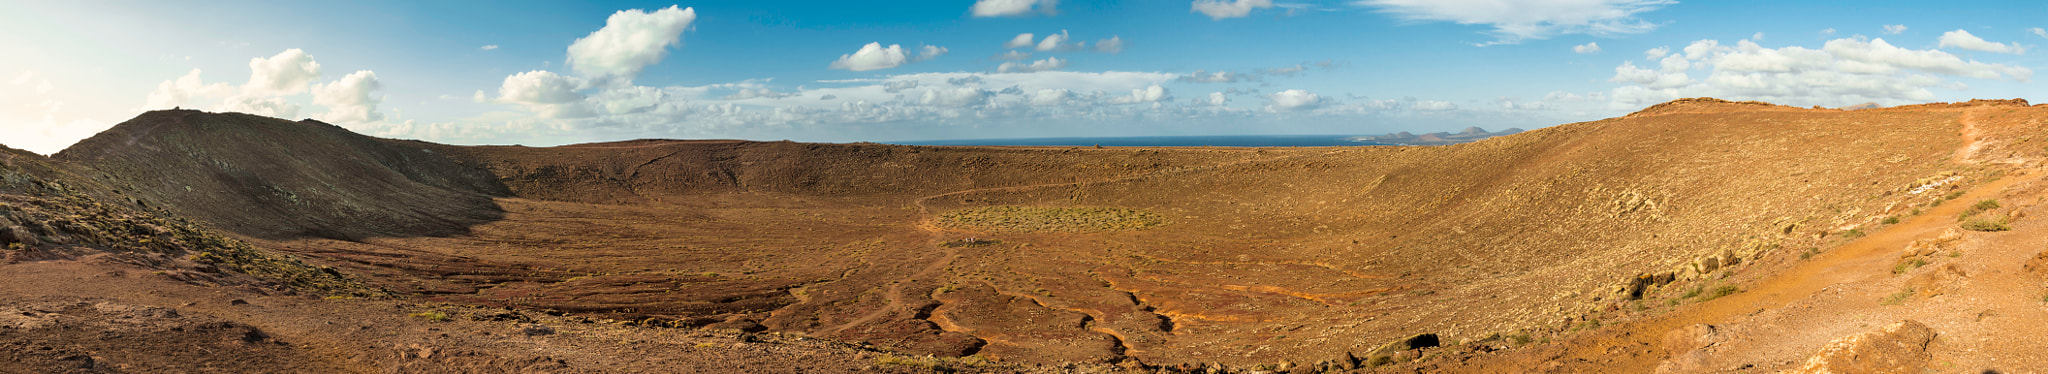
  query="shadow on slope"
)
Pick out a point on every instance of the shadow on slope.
point(276, 179)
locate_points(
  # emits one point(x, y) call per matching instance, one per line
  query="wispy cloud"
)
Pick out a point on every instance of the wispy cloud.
point(1514, 21)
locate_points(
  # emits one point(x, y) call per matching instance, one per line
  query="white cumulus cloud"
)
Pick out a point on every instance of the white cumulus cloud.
point(1013, 8)
point(1153, 93)
point(1115, 44)
point(349, 99)
point(1221, 9)
point(872, 57)
point(1049, 63)
point(1022, 40)
point(896, 86)
point(269, 106)
point(1842, 72)
point(930, 52)
point(1056, 42)
point(539, 87)
point(289, 72)
point(489, 47)
point(1963, 39)
point(1052, 97)
point(955, 97)
point(1516, 20)
point(1202, 76)
point(1894, 29)
point(178, 92)
point(630, 41)
point(1585, 49)
point(1294, 100)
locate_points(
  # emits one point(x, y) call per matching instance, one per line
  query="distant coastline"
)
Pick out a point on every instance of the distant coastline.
point(1401, 138)
point(1165, 141)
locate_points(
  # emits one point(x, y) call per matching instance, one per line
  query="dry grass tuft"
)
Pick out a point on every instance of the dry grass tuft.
point(1041, 219)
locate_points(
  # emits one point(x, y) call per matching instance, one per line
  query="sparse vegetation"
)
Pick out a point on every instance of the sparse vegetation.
point(1897, 298)
point(1892, 220)
point(1972, 219)
point(1980, 207)
point(1523, 338)
point(971, 242)
point(1044, 219)
point(1718, 292)
point(1999, 223)
point(432, 315)
point(1907, 265)
point(933, 364)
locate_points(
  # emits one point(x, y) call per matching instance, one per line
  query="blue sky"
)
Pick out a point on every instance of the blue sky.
point(547, 73)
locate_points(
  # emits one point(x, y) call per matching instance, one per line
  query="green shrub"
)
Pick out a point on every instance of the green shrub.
point(1521, 339)
point(1999, 223)
point(1908, 265)
point(1897, 298)
point(1718, 292)
point(1981, 206)
point(1893, 220)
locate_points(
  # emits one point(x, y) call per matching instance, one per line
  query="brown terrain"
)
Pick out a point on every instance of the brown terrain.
point(1698, 235)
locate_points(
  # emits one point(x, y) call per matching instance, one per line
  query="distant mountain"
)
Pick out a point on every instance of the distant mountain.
point(1868, 105)
point(1469, 134)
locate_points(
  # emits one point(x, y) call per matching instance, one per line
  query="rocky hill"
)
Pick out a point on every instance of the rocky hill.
point(271, 178)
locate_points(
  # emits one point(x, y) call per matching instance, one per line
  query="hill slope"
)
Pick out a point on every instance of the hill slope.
point(272, 178)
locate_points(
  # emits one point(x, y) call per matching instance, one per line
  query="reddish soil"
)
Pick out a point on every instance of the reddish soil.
point(1574, 248)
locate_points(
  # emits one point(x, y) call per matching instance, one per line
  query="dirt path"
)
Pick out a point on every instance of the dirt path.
point(1972, 137)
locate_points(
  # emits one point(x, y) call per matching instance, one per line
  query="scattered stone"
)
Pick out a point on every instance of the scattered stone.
point(1898, 348)
point(2038, 266)
point(537, 330)
point(1423, 340)
point(1689, 338)
point(500, 316)
point(16, 234)
point(238, 302)
point(1690, 349)
point(737, 324)
point(1941, 280)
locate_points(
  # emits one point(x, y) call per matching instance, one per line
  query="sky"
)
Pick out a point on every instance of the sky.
point(552, 73)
